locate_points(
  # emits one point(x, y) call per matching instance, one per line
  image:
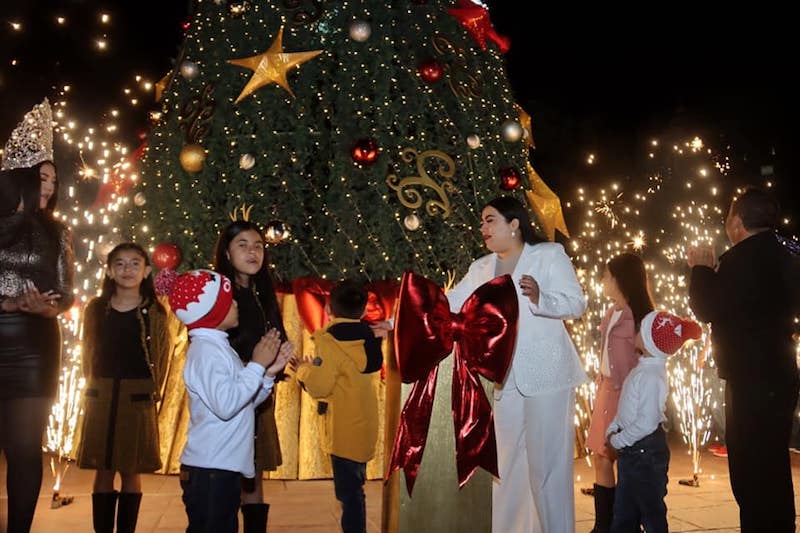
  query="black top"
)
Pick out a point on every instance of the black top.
point(351, 331)
point(751, 302)
point(252, 323)
point(121, 354)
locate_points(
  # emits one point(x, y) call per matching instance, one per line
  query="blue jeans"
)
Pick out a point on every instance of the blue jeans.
point(642, 485)
point(348, 482)
point(211, 498)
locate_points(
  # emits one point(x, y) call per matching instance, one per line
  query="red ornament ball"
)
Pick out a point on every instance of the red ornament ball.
point(510, 179)
point(167, 255)
point(365, 151)
point(431, 71)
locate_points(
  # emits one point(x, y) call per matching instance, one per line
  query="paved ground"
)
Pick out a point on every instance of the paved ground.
point(309, 506)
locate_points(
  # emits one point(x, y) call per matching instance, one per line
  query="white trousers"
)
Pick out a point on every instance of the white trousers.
point(535, 447)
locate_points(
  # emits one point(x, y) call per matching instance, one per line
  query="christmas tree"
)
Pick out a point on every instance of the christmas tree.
point(366, 135)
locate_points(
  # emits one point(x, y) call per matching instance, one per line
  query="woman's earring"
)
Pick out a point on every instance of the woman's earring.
point(513, 233)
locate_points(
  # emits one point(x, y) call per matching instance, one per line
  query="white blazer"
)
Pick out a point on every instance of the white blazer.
point(545, 359)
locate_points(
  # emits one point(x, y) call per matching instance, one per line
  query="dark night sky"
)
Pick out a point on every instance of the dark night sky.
point(599, 79)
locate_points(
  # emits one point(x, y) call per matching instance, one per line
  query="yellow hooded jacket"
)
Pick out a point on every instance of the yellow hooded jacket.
point(350, 425)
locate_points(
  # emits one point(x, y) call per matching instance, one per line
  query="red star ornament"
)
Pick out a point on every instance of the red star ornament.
point(475, 19)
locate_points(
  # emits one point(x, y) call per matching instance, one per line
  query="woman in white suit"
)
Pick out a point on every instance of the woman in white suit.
point(534, 408)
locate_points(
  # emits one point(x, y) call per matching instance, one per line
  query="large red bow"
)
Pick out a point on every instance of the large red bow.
point(483, 334)
point(475, 19)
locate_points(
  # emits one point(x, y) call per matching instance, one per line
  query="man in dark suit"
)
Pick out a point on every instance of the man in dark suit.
point(751, 299)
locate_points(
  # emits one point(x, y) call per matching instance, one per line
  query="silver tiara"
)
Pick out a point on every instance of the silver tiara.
point(31, 142)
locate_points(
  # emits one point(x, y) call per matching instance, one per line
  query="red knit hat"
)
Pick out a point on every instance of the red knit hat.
point(663, 334)
point(201, 298)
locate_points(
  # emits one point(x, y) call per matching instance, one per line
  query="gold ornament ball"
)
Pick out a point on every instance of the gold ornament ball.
point(473, 141)
point(238, 9)
point(412, 222)
point(139, 199)
point(276, 232)
point(247, 161)
point(512, 131)
point(193, 156)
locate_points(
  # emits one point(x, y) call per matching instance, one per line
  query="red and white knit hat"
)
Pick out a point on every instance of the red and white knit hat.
point(663, 334)
point(201, 298)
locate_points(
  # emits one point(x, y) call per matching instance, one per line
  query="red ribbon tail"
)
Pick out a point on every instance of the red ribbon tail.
point(412, 433)
point(474, 424)
point(502, 42)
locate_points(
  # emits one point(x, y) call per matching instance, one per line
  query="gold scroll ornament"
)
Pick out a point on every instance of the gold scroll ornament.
point(411, 197)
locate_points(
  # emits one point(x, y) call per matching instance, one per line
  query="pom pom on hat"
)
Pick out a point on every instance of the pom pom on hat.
point(201, 298)
point(663, 334)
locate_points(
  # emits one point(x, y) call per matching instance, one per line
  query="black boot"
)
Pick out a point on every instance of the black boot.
point(603, 508)
point(128, 511)
point(255, 517)
point(103, 506)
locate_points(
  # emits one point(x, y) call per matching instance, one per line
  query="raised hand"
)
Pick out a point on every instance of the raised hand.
point(285, 353)
point(530, 288)
point(381, 329)
point(701, 256)
point(266, 350)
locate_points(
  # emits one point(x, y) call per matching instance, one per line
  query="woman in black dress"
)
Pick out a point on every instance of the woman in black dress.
point(35, 287)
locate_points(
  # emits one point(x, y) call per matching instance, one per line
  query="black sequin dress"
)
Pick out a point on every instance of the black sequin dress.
point(39, 250)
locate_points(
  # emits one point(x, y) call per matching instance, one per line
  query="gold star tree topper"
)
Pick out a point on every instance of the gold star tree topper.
point(271, 66)
point(546, 205)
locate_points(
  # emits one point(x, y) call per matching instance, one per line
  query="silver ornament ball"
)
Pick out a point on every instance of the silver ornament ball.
point(512, 131)
point(189, 70)
point(360, 31)
point(473, 141)
point(412, 222)
point(139, 199)
point(247, 161)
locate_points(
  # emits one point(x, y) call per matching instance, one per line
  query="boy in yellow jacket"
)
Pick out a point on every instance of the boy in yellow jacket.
point(341, 374)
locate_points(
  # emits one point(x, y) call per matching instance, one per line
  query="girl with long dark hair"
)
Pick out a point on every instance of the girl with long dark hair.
point(126, 346)
point(239, 254)
point(625, 283)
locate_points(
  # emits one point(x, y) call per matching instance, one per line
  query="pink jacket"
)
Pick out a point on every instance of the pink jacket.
point(622, 356)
